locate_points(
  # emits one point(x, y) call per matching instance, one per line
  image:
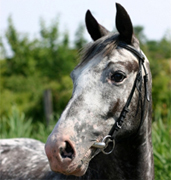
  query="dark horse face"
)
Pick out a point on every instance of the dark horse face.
point(102, 83)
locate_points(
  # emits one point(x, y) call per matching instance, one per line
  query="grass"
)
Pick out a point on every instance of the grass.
point(161, 138)
point(17, 125)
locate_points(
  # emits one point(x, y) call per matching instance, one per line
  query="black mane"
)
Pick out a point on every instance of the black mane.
point(104, 45)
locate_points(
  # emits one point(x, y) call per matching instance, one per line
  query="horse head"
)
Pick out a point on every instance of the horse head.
point(102, 84)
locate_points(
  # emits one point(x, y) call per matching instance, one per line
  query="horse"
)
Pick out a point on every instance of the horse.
point(105, 130)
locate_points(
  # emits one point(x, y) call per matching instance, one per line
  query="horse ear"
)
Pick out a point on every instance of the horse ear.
point(124, 24)
point(95, 30)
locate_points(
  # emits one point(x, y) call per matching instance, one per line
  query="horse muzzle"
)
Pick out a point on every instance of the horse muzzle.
point(64, 158)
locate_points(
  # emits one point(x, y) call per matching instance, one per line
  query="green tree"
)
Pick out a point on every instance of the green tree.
point(80, 40)
point(36, 65)
point(139, 32)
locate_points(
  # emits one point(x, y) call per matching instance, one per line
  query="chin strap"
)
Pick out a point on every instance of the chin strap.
point(110, 138)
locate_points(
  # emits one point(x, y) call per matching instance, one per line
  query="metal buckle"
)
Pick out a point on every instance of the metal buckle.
point(104, 144)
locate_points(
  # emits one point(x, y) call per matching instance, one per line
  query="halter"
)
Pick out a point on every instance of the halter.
point(137, 84)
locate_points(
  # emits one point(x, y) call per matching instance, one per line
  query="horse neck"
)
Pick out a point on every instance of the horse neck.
point(131, 159)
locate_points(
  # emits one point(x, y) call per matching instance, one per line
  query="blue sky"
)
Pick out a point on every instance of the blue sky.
point(154, 15)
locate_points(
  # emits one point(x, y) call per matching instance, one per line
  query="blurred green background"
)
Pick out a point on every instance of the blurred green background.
point(45, 63)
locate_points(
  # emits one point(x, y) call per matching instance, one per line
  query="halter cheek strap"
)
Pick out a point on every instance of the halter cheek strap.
point(137, 84)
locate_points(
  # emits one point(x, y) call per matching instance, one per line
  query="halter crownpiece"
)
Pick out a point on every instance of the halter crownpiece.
point(137, 84)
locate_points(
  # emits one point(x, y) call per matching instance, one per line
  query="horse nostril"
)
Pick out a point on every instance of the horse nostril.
point(67, 151)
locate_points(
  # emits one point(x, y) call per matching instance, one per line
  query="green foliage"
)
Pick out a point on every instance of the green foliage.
point(80, 41)
point(159, 55)
point(161, 90)
point(138, 30)
point(36, 65)
point(15, 125)
point(161, 138)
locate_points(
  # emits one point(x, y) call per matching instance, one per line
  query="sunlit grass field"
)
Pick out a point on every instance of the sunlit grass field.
point(17, 125)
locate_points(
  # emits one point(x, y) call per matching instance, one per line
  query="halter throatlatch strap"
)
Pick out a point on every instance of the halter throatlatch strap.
point(137, 85)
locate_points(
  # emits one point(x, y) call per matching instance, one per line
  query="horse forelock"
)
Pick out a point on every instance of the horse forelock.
point(104, 45)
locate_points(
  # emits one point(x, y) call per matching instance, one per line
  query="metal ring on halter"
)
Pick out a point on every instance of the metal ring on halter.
point(107, 139)
point(104, 144)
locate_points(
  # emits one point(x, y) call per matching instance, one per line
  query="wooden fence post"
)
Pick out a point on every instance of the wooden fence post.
point(48, 105)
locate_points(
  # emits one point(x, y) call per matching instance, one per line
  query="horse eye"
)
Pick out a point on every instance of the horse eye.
point(117, 77)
